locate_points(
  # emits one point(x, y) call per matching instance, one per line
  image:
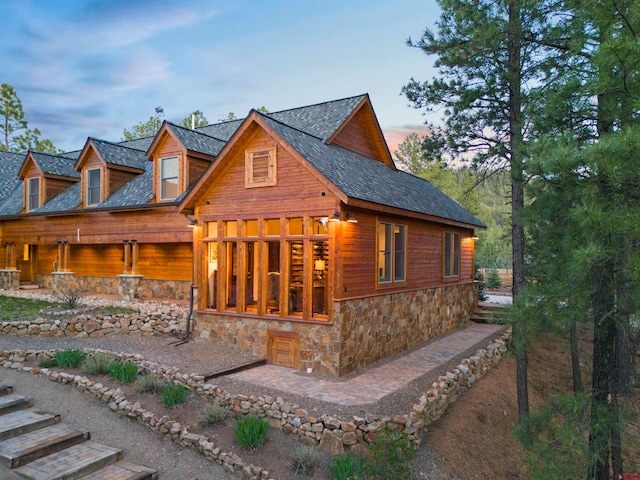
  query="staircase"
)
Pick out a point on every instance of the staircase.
point(37, 446)
point(489, 313)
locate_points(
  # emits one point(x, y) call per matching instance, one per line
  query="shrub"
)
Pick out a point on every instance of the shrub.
point(50, 362)
point(71, 295)
point(123, 372)
point(212, 413)
point(97, 363)
point(390, 454)
point(305, 459)
point(149, 384)
point(250, 431)
point(493, 279)
point(70, 358)
point(347, 467)
point(173, 395)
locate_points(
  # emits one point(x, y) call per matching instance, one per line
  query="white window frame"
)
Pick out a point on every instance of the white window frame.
point(268, 155)
point(164, 178)
point(91, 188)
point(31, 195)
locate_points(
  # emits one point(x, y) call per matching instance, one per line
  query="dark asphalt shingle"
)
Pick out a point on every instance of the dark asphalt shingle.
point(116, 154)
point(197, 141)
point(56, 165)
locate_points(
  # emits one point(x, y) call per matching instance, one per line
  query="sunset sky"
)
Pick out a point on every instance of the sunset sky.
point(96, 67)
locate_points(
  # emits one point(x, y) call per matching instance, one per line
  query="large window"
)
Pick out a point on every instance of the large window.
point(93, 187)
point(392, 248)
point(451, 254)
point(33, 195)
point(269, 267)
point(169, 178)
point(260, 167)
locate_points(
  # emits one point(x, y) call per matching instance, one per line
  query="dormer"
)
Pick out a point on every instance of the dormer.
point(105, 167)
point(44, 177)
point(179, 157)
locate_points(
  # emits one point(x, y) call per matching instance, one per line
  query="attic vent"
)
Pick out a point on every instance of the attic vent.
point(260, 167)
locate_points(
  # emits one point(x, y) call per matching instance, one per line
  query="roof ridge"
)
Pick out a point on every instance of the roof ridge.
point(318, 103)
point(134, 139)
point(195, 131)
point(219, 123)
point(117, 144)
point(50, 154)
point(287, 125)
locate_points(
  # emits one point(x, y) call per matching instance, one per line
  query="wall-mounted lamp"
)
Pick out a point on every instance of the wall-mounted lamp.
point(335, 217)
point(125, 241)
point(351, 219)
point(193, 222)
point(475, 237)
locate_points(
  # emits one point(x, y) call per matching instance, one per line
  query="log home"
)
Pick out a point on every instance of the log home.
point(307, 245)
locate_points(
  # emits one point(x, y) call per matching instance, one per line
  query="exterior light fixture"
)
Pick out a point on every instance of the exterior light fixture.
point(351, 218)
point(335, 217)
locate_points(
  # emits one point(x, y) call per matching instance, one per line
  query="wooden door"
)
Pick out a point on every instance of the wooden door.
point(283, 348)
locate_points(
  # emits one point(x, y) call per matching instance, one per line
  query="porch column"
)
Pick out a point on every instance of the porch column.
point(67, 254)
point(59, 259)
point(12, 256)
point(126, 256)
point(7, 259)
point(134, 256)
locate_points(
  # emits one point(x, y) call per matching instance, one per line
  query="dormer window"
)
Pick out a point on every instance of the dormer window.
point(93, 187)
point(260, 167)
point(169, 178)
point(33, 194)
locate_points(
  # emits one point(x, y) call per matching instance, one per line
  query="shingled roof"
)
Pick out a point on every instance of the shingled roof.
point(55, 164)
point(11, 163)
point(362, 178)
point(136, 192)
point(117, 154)
point(197, 141)
point(66, 200)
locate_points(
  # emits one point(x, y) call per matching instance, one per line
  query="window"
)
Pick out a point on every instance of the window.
point(93, 187)
point(169, 178)
point(33, 194)
point(260, 167)
point(451, 254)
point(392, 247)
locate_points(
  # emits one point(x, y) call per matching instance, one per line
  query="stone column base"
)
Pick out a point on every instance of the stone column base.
point(9, 279)
point(63, 283)
point(128, 286)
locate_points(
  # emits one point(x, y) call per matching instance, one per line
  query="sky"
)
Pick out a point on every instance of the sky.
point(96, 67)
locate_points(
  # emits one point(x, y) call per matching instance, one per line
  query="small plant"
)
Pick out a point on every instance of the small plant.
point(493, 281)
point(390, 454)
point(70, 295)
point(305, 459)
point(149, 384)
point(173, 395)
point(69, 358)
point(250, 431)
point(347, 467)
point(97, 363)
point(123, 372)
point(48, 363)
point(212, 413)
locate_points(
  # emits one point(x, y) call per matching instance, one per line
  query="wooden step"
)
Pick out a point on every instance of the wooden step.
point(29, 446)
point(12, 402)
point(72, 463)
point(122, 470)
point(24, 421)
point(5, 390)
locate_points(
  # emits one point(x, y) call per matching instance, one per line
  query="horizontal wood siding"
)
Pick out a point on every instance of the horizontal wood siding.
point(96, 260)
point(117, 179)
point(165, 261)
point(54, 187)
point(196, 167)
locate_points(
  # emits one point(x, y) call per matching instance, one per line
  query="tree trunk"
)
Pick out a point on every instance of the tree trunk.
point(578, 387)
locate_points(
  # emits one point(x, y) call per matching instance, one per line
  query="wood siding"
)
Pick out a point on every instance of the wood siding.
point(169, 146)
point(53, 187)
point(116, 180)
point(196, 167)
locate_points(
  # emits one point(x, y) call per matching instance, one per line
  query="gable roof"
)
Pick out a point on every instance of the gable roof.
point(193, 140)
point(114, 154)
point(224, 130)
point(57, 165)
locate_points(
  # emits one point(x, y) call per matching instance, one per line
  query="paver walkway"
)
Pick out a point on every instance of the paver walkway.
point(377, 382)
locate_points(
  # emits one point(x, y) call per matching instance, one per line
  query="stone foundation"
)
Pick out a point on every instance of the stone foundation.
point(364, 330)
point(145, 289)
point(9, 279)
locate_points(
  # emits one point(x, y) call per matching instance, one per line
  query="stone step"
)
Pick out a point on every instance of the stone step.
point(12, 402)
point(5, 390)
point(122, 470)
point(72, 463)
point(26, 286)
point(24, 421)
point(29, 446)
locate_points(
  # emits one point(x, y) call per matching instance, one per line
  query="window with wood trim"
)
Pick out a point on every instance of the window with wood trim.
point(33, 194)
point(169, 178)
point(93, 187)
point(451, 254)
point(260, 167)
point(392, 256)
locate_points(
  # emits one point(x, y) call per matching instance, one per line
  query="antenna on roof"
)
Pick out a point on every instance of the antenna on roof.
point(159, 112)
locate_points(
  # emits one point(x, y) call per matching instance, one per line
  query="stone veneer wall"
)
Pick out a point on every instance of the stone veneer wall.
point(9, 279)
point(148, 288)
point(332, 434)
point(373, 328)
point(364, 331)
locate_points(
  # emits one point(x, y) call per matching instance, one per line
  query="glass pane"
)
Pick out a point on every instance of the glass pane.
point(272, 226)
point(273, 277)
point(456, 254)
point(399, 242)
point(320, 226)
point(296, 277)
point(251, 285)
point(232, 273)
point(170, 188)
point(251, 228)
point(169, 177)
point(212, 229)
point(231, 228)
point(447, 254)
point(320, 278)
point(296, 226)
point(384, 252)
point(212, 273)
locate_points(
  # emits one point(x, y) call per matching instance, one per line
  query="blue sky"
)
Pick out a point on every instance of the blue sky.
point(96, 67)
